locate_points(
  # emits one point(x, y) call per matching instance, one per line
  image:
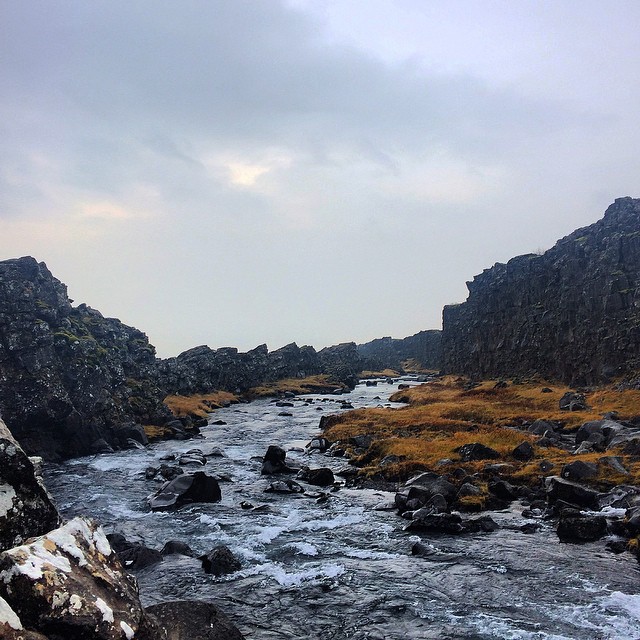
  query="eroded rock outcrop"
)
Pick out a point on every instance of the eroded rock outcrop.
point(423, 347)
point(69, 377)
point(26, 509)
point(572, 313)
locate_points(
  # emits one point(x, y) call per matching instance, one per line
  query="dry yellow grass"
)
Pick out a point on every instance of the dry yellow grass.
point(200, 405)
point(442, 416)
point(310, 384)
point(385, 373)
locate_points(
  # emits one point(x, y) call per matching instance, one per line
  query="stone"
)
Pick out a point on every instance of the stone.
point(70, 584)
point(274, 461)
point(26, 509)
point(322, 477)
point(192, 620)
point(447, 523)
point(220, 561)
point(523, 452)
point(176, 547)
point(186, 489)
point(284, 486)
point(571, 492)
point(572, 401)
point(503, 490)
point(542, 427)
point(574, 526)
point(477, 451)
point(579, 470)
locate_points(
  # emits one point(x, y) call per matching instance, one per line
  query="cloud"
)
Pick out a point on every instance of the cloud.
point(228, 152)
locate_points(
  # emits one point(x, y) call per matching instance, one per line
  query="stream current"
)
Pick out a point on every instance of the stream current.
point(342, 567)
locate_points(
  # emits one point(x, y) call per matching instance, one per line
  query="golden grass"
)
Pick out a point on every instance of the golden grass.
point(310, 384)
point(385, 373)
point(200, 405)
point(442, 416)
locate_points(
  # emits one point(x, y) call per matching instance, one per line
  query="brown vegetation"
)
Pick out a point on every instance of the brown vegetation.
point(444, 415)
point(310, 384)
point(199, 406)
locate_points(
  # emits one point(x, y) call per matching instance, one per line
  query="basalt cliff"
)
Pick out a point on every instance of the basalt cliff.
point(571, 314)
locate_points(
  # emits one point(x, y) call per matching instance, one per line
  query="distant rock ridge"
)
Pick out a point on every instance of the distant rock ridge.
point(423, 347)
point(571, 314)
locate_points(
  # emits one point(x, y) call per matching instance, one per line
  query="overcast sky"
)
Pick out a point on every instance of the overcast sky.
point(235, 172)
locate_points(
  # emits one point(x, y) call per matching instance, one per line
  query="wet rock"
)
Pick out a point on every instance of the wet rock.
point(572, 401)
point(579, 470)
point(274, 461)
point(436, 523)
point(575, 526)
point(220, 561)
point(531, 527)
point(192, 457)
point(26, 509)
point(322, 477)
point(620, 497)
point(185, 489)
point(138, 556)
point(216, 452)
point(319, 444)
point(427, 485)
point(428, 552)
point(476, 451)
point(284, 486)
point(176, 547)
point(570, 492)
point(503, 490)
point(469, 489)
point(484, 524)
point(616, 546)
point(218, 423)
point(192, 620)
point(284, 404)
point(69, 584)
point(170, 471)
point(285, 414)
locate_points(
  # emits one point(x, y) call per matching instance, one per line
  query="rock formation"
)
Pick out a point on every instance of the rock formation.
point(390, 353)
point(572, 313)
point(69, 378)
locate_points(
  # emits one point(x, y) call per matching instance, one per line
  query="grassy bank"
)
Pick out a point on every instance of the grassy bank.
point(445, 415)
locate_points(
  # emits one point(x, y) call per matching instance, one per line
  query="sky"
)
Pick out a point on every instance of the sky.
point(235, 172)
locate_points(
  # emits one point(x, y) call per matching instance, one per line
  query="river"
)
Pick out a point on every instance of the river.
point(342, 567)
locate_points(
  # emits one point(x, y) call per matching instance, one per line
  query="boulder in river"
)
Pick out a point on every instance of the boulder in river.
point(185, 489)
point(274, 461)
point(575, 526)
point(322, 477)
point(571, 492)
point(133, 555)
point(284, 486)
point(193, 620)
point(450, 523)
point(176, 547)
point(220, 561)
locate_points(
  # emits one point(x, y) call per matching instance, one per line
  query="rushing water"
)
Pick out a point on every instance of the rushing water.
point(342, 567)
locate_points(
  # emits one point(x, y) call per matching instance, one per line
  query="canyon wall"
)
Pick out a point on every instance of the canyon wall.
point(571, 314)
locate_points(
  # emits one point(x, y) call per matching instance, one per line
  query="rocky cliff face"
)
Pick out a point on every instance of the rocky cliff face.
point(201, 369)
point(572, 313)
point(70, 379)
point(424, 347)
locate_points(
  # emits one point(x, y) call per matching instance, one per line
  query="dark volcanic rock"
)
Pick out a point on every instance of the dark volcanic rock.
point(274, 461)
point(523, 452)
point(69, 378)
point(572, 401)
point(69, 584)
point(26, 509)
point(390, 353)
point(571, 492)
point(220, 561)
point(574, 526)
point(477, 451)
point(571, 313)
point(193, 620)
point(187, 488)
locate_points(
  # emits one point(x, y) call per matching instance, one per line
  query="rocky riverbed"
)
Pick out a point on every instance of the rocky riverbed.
point(338, 564)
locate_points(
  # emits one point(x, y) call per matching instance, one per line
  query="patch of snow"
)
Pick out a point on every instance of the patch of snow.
point(9, 616)
point(105, 609)
point(128, 631)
